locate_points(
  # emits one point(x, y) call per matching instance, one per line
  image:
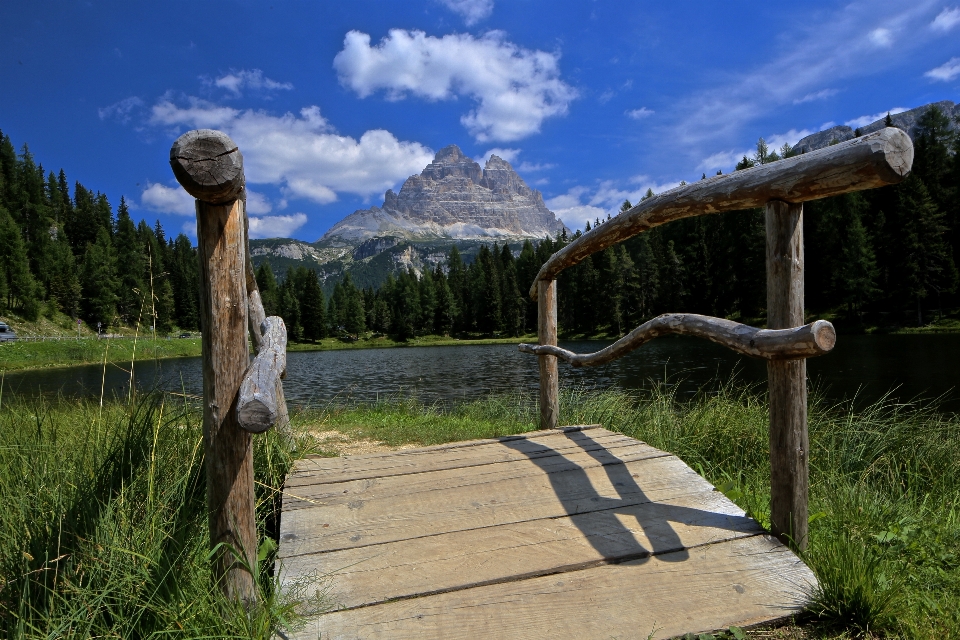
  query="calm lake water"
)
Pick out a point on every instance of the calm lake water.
point(865, 367)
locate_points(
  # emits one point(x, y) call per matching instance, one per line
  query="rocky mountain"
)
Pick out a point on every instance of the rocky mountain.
point(906, 121)
point(453, 198)
point(452, 201)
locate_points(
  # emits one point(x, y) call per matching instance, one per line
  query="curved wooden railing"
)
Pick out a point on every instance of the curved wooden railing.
point(878, 159)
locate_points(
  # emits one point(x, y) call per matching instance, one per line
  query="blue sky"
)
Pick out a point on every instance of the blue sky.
point(333, 103)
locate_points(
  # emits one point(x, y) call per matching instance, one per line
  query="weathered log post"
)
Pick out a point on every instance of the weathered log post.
point(787, 379)
point(549, 375)
point(210, 167)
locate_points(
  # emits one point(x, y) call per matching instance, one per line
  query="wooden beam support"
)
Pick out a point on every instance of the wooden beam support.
point(260, 401)
point(880, 158)
point(209, 166)
point(814, 339)
point(549, 375)
point(789, 443)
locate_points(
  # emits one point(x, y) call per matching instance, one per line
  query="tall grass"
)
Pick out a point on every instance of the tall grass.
point(884, 496)
point(104, 527)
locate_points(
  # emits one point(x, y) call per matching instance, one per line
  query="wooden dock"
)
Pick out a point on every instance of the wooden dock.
point(569, 533)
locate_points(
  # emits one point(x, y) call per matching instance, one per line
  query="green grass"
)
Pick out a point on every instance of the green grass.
point(67, 352)
point(104, 529)
point(885, 485)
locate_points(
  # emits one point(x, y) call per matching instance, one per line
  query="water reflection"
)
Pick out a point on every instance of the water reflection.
point(862, 366)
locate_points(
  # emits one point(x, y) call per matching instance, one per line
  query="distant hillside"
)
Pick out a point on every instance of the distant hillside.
point(907, 121)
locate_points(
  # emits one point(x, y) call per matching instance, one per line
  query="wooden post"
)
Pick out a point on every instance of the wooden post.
point(547, 332)
point(210, 167)
point(787, 379)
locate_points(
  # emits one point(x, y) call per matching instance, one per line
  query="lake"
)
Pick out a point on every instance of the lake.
point(860, 366)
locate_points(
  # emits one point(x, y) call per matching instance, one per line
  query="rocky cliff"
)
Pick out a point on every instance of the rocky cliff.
point(452, 198)
point(907, 121)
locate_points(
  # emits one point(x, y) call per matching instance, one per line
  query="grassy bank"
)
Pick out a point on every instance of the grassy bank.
point(104, 527)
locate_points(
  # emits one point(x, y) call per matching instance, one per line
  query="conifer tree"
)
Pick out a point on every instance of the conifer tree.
point(130, 268)
point(267, 284)
point(19, 285)
point(99, 281)
point(314, 318)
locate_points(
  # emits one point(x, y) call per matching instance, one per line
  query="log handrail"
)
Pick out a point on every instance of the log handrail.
point(878, 159)
point(814, 339)
point(260, 403)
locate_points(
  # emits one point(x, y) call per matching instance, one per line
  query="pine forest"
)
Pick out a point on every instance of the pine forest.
point(880, 258)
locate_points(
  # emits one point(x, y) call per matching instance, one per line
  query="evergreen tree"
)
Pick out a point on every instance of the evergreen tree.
point(446, 313)
point(184, 268)
point(130, 268)
point(18, 283)
point(514, 306)
point(290, 306)
point(428, 302)
point(314, 318)
point(457, 279)
point(99, 281)
point(267, 284)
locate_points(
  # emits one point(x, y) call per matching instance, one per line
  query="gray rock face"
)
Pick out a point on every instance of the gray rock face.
point(907, 121)
point(454, 198)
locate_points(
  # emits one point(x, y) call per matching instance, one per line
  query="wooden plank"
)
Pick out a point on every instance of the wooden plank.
point(549, 374)
point(737, 582)
point(375, 520)
point(787, 380)
point(462, 559)
point(330, 470)
point(480, 477)
point(874, 160)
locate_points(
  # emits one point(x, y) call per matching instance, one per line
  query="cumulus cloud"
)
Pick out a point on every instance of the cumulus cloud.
point(581, 204)
point(515, 89)
point(276, 226)
point(863, 121)
point(472, 11)
point(163, 199)
point(945, 72)
point(236, 81)
point(510, 155)
point(257, 203)
point(823, 94)
point(302, 153)
point(121, 110)
point(639, 114)
point(527, 167)
point(946, 19)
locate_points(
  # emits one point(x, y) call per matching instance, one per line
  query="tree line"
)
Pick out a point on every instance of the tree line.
point(70, 252)
point(886, 255)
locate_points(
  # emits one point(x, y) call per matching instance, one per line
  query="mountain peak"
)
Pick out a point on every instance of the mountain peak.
point(454, 198)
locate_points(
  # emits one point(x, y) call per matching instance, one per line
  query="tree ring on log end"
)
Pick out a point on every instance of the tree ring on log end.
point(208, 165)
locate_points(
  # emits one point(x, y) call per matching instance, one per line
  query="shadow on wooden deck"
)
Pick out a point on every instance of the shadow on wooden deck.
point(578, 532)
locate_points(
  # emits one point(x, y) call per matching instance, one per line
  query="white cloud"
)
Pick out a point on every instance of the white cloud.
point(945, 72)
point(515, 89)
point(727, 160)
point(823, 94)
point(257, 203)
point(163, 199)
point(840, 46)
point(826, 125)
point(302, 153)
point(581, 204)
point(528, 167)
point(639, 114)
point(472, 11)
point(121, 110)
point(276, 226)
point(791, 137)
point(236, 81)
point(190, 228)
point(882, 37)
point(946, 19)
point(863, 121)
point(510, 155)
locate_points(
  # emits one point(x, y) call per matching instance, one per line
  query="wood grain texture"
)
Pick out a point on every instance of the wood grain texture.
point(208, 165)
point(787, 380)
point(737, 582)
point(880, 158)
point(549, 374)
point(260, 403)
point(466, 559)
point(228, 453)
point(565, 488)
point(814, 339)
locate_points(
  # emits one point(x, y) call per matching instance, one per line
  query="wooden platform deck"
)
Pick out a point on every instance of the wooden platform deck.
point(571, 533)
